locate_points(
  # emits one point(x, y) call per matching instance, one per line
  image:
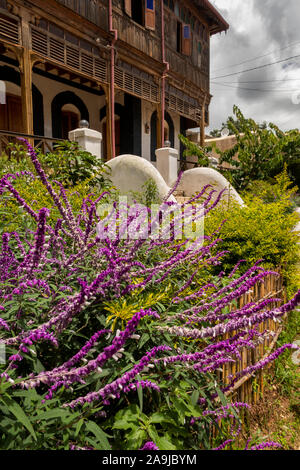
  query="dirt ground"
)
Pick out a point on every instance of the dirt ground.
point(275, 418)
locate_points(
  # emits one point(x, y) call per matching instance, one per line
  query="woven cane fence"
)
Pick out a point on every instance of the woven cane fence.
point(251, 387)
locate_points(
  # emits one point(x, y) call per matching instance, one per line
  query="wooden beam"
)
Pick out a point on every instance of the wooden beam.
point(202, 126)
point(108, 123)
point(85, 81)
point(25, 64)
point(49, 67)
point(26, 91)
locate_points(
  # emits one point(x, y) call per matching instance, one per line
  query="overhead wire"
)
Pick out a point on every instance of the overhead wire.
point(258, 67)
point(258, 57)
point(254, 89)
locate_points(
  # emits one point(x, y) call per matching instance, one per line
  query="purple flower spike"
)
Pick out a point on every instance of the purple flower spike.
point(149, 446)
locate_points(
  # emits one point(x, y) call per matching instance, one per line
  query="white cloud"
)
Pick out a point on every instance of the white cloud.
point(257, 28)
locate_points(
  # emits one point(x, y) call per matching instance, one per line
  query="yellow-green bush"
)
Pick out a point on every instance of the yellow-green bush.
point(261, 230)
point(15, 218)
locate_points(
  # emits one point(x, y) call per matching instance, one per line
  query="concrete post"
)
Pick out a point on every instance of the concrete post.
point(88, 139)
point(167, 163)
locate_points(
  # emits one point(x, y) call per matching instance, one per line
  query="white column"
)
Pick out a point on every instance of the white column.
point(167, 163)
point(88, 139)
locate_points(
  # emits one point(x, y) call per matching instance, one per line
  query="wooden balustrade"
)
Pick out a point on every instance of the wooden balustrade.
point(45, 144)
point(137, 36)
point(183, 66)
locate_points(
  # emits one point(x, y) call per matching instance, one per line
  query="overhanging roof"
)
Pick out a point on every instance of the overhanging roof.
point(216, 21)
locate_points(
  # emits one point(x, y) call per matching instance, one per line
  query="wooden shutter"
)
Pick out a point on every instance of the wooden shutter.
point(186, 39)
point(199, 54)
point(127, 7)
point(150, 14)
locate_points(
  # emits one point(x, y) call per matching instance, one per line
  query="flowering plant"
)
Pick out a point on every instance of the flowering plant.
point(70, 381)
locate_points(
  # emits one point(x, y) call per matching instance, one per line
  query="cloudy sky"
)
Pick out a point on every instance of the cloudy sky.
point(266, 31)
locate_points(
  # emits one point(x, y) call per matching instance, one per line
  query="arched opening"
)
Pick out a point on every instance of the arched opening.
point(128, 128)
point(70, 117)
point(168, 133)
point(11, 117)
point(67, 110)
point(185, 124)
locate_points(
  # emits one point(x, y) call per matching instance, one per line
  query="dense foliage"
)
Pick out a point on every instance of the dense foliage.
point(81, 174)
point(194, 150)
point(262, 229)
point(216, 133)
point(95, 326)
point(260, 152)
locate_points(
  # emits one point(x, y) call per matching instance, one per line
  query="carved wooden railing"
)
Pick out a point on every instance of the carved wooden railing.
point(184, 67)
point(137, 36)
point(70, 55)
point(91, 10)
point(10, 28)
point(45, 144)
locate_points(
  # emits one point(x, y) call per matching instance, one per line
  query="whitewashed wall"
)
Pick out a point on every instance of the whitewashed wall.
point(50, 88)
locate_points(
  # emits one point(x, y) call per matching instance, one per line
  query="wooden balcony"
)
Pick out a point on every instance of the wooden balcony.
point(183, 66)
point(95, 12)
point(10, 29)
point(68, 54)
point(137, 36)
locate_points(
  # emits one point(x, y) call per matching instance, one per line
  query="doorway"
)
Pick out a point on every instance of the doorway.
point(11, 118)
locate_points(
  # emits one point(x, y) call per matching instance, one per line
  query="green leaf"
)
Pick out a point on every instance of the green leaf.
point(123, 424)
point(164, 444)
point(221, 396)
point(51, 414)
point(145, 337)
point(78, 427)
point(140, 394)
point(17, 411)
point(99, 434)
point(135, 439)
point(195, 397)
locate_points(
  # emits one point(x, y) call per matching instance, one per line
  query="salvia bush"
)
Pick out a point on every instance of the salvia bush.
point(70, 379)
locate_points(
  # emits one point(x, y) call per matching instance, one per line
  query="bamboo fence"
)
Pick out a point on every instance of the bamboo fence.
point(251, 387)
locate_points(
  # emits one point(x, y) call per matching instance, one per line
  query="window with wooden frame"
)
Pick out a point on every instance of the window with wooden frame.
point(186, 40)
point(150, 14)
point(141, 12)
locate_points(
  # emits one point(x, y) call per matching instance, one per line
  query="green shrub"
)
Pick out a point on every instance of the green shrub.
point(71, 165)
point(275, 191)
point(262, 151)
point(194, 150)
point(261, 230)
point(81, 173)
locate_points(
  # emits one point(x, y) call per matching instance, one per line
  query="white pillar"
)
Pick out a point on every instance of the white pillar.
point(167, 163)
point(88, 139)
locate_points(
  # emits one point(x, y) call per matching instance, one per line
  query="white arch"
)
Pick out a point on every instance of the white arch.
point(129, 173)
point(194, 180)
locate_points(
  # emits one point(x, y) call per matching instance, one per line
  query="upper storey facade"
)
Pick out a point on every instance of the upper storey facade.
point(150, 56)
